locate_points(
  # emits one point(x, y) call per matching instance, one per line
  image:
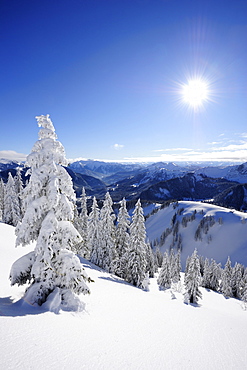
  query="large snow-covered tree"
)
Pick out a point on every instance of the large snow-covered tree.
point(136, 255)
point(49, 200)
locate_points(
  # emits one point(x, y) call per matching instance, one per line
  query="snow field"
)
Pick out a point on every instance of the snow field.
point(122, 327)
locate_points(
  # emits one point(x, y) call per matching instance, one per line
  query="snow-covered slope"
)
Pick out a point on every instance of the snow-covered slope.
point(121, 328)
point(216, 232)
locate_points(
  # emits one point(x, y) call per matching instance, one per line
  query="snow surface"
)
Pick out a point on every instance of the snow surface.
point(221, 240)
point(122, 327)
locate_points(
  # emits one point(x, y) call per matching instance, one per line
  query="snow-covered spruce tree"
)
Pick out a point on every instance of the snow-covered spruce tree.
point(175, 266)
point(122, 239)
point(82, 226)
point(206, 274)
point(136, 255)
point(19, 189)
point(2, 190)
point(108, 237)
point(11, 203)
point(94, 234)
point(192, 279)
point(164, 279)
point(52, 267)
point(237, 276)
point(226, 279)
point(214, 275)
point(150, 268)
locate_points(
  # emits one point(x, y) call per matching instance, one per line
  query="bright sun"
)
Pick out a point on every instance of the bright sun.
point(195, 93)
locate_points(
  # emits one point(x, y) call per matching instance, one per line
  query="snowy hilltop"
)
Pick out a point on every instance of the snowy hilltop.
point(216, 232)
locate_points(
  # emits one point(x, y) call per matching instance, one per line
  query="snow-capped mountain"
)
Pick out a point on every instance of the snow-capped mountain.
point(236, 173)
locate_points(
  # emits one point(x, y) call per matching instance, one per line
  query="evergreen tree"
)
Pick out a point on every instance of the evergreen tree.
point(136, 255)
point(158, 258)
point(192, 279)
point(2, 190)
point(237, 275)
point(226, 279)
point(214, 275)
point(108, 237)
point(48, 217)
point(82, 227)
point(206, 275)
point(19, 190)
point(94, 235)
point(11, 203)
point(175, 266)
point(122, 239)
point(150, 267)
point(164, 279)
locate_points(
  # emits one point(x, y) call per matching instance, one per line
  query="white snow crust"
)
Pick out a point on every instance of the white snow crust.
point(122, 327)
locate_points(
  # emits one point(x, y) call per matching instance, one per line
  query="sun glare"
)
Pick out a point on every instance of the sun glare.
point(195, 93)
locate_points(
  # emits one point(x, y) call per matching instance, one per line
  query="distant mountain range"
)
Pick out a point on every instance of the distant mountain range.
point(156, 182)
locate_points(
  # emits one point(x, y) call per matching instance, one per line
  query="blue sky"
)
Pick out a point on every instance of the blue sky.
point(109, 73)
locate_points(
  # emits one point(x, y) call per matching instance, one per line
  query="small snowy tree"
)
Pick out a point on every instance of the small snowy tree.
point(175, 266)
point(49, 201)
point(192, 279)
point(226, 279)
point(94, 234)
point(136, 255)
point(11, 203)
point(237, 275)
point(19, 189)
point(164, 279)
point(108, 237)
point(82, 226)
point(122, 239)
point(2, 189)
point(150, 268)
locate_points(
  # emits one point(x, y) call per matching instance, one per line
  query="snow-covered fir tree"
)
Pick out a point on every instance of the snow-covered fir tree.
point(2, 189)
point(94, 234)
point(19, 190)
point(122, 239)
point(82, 226)
point(237, 275)
point(11, 203)
point(192, 279)
point(164, 278)
point(49, 201)
point(175, 266)
point(108, 237)
point(226, 279)
point(206, 274)
point(150, 268)
point(136, 255)
point(158, 258)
